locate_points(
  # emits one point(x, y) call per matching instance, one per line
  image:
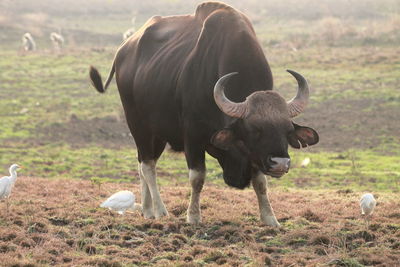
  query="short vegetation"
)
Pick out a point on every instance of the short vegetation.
point(76, 149)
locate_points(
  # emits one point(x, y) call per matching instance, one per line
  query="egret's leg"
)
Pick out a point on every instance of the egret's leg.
point(267, 215)
point(7, 207)
point(147, 205)
point(148, 169)
point(110, 212)
point(196, 179)
point(365, 218)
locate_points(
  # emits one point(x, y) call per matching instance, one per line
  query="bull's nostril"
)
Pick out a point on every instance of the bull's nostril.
point(270, 161)
point(280, 163)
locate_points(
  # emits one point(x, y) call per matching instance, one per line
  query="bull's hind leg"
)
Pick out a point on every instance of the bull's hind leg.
point(149, 150)
point(148, 169)
point(267, 215)
point(147, 203)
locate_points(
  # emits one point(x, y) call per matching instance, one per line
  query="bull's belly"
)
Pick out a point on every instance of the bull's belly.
point(162, 125)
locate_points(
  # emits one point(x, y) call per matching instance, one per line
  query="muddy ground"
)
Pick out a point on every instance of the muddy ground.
point(58, 222)
point(346, 124)
point(341, 125)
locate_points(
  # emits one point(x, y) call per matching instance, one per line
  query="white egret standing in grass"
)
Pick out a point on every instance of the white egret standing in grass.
point(57, 40)
point(367, 205)
point(121, 202)
point(7, 183)
point(305, 162)
point(28, 42)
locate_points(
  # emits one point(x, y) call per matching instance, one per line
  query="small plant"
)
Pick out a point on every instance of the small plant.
point(96, 181)
point(352, 155)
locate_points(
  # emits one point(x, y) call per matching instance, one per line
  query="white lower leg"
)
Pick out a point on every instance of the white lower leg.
point(196, 179)
point(147, 204)
point(267, 215)
point(149, 176)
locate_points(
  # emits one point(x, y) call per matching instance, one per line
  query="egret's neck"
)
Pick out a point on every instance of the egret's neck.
point(13, 175)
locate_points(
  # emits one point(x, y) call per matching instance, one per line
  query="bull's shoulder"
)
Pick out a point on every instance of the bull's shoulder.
point(161, 29)
point(153, 36)
point(217, 17)
point(205, 9)
point(158, 30)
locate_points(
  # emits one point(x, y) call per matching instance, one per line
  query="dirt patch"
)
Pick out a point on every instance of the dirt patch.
point(342, 125)
point(311, 216)
point(345, 124)
point(111, 132)
point(66, 227)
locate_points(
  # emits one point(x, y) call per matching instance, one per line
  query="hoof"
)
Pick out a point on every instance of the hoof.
point(193, 218)
point(148, 213)
point(161, 212)
point(270, 221)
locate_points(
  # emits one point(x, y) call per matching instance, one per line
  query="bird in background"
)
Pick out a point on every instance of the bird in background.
point(7, 183)
point(121, 202)
point(367, 205)
point(305, 162)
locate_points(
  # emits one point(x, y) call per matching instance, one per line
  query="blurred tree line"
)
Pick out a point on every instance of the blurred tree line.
point(279, 9)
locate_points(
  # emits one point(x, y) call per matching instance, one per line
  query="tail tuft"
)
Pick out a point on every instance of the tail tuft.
point(96, 79)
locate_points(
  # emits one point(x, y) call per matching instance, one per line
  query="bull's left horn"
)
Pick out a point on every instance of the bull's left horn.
point(298, 104)
point(237, 110)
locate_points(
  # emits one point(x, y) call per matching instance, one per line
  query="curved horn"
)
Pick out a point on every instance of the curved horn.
point(298, 104)
point(236, 110)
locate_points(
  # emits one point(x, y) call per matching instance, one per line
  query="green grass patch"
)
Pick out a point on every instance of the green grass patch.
point(360, 170)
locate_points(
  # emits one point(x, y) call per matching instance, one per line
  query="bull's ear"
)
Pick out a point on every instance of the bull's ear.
point(302, 136)
point(223, 139)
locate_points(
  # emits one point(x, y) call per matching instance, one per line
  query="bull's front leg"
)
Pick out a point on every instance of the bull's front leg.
point(195, 158)
point(196, 179)
point(267, 215)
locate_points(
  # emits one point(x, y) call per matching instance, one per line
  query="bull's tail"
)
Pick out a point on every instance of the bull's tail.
point(95, 78)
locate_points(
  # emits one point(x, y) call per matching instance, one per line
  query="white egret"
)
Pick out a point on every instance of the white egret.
point(57, 40)
point(128, 33)
point(305, 162)
point(121, 202)
point(7, 183)
point(367, 205)
point(28, 42)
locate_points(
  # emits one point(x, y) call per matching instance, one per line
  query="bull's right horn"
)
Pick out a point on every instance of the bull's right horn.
point(236, 110)
point(298, 104)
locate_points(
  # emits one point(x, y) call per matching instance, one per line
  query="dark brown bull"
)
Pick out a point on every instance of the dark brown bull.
point(172, 76)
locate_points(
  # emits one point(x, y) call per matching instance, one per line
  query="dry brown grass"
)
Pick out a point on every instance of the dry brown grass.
point(57, 222)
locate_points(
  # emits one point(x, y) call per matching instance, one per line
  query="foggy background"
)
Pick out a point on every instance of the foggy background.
point(102, 22)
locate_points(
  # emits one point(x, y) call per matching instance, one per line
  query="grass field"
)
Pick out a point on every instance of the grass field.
point(76, 148)
point(319, 228)
point(56, 125)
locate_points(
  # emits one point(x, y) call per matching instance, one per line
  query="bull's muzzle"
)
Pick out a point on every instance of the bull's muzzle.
point(279, 166)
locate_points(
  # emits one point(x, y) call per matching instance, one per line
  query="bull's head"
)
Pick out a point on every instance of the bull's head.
point(264, 129)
